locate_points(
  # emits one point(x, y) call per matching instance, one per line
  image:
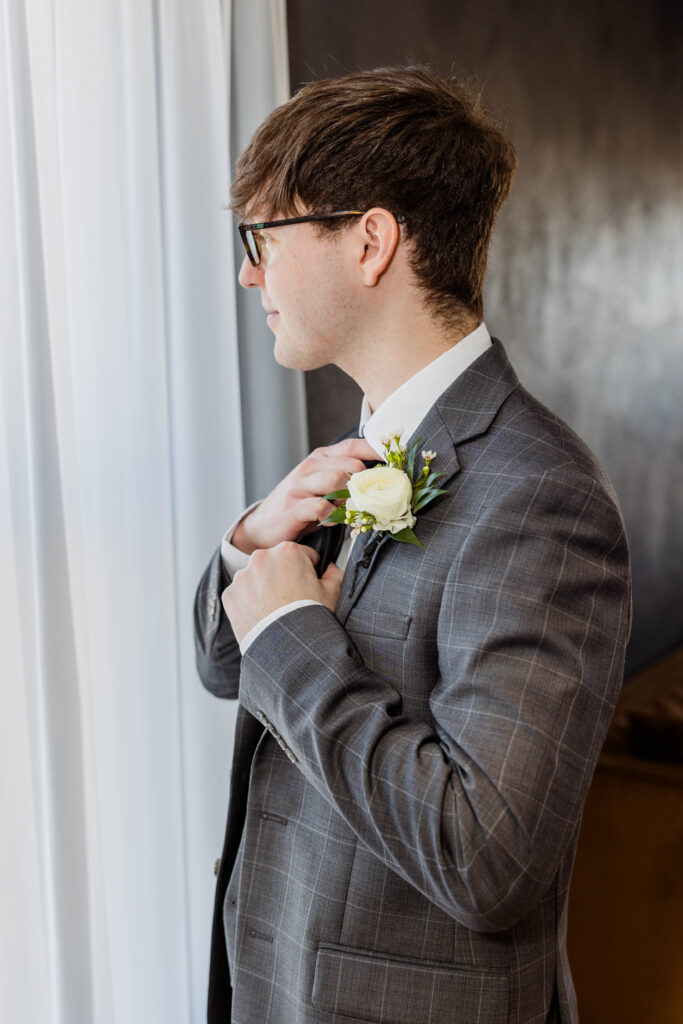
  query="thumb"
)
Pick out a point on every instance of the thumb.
point(331, 582)
point(310, 553)
point(332, 574)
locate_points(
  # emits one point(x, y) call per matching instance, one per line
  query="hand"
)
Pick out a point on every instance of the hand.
point(296, 506)
point(274, 577)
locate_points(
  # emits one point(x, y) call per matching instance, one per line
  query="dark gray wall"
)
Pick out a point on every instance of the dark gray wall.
point(585, 283)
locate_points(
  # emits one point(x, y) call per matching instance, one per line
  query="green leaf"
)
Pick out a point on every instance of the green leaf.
point(432, 478)
point(408, 537)
point(337, 494)
point(411, 458)
point(425, 498)
point(426, 482)
point(418, 491)
point(338, 516)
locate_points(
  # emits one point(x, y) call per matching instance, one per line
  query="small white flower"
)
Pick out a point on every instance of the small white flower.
point(395, 437)
point(428, 456)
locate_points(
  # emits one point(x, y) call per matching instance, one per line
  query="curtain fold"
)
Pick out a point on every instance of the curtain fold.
point(257, 85)
point(121, 464)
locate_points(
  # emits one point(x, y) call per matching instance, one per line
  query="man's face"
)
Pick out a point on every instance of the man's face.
point(307, 290)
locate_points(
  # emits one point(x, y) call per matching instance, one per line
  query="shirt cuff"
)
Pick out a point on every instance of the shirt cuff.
point(249, 637)
point(233, 558)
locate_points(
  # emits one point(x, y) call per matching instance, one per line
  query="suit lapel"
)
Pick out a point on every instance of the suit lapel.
point(363, 556)
point(463, 411)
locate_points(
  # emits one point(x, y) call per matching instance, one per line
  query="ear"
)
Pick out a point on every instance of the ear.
point(380, 235)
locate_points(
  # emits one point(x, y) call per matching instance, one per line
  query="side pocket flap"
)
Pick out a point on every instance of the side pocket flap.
point(399, 990)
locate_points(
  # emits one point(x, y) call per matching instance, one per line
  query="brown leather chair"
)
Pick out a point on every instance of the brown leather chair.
point(626, 902)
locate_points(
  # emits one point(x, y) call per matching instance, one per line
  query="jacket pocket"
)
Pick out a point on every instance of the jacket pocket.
point(385, 989)
point(379, 623)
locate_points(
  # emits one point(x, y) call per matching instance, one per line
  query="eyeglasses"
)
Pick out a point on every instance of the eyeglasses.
point(250, 240)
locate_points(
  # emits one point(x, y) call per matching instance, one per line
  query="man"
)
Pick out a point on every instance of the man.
point(418, 725)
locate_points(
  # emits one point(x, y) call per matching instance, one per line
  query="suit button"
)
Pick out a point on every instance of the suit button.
point(217, 867)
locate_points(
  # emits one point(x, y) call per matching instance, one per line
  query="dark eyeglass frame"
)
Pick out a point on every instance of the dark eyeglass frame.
point(250, 242)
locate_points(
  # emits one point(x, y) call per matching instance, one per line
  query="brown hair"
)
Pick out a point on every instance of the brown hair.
point(403, 138)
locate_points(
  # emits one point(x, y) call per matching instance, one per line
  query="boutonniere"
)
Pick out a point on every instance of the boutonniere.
point(386, 498)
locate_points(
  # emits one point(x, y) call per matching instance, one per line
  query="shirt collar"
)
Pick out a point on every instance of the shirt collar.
point(406, 407)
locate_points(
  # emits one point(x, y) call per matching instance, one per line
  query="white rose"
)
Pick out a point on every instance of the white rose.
point(385, 492)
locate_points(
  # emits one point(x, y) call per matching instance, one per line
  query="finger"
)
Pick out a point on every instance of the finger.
point(331, 582)
point(313, 510)
point(328, 478)
point(310, 552)
point(355, 447)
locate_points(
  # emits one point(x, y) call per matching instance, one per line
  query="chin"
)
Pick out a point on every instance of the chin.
point(296, 360)
point(286, 358)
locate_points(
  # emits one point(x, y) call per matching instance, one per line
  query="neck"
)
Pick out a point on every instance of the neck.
point(391, 354)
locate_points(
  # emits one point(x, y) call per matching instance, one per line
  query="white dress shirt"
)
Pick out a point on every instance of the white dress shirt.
point(400, 413)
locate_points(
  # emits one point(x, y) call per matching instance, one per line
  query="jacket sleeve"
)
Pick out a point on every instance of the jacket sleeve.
point(476, 807)
point(217, 652)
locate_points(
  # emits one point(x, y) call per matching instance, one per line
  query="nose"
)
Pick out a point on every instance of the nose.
point(249, 275)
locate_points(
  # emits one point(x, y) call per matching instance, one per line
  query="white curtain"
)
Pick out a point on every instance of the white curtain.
point(121, 463)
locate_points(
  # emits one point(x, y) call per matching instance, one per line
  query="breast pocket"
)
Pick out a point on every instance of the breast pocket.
point(387, 625)
point(382, 640)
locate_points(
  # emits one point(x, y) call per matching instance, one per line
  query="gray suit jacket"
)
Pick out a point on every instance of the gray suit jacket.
point(409, 773)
